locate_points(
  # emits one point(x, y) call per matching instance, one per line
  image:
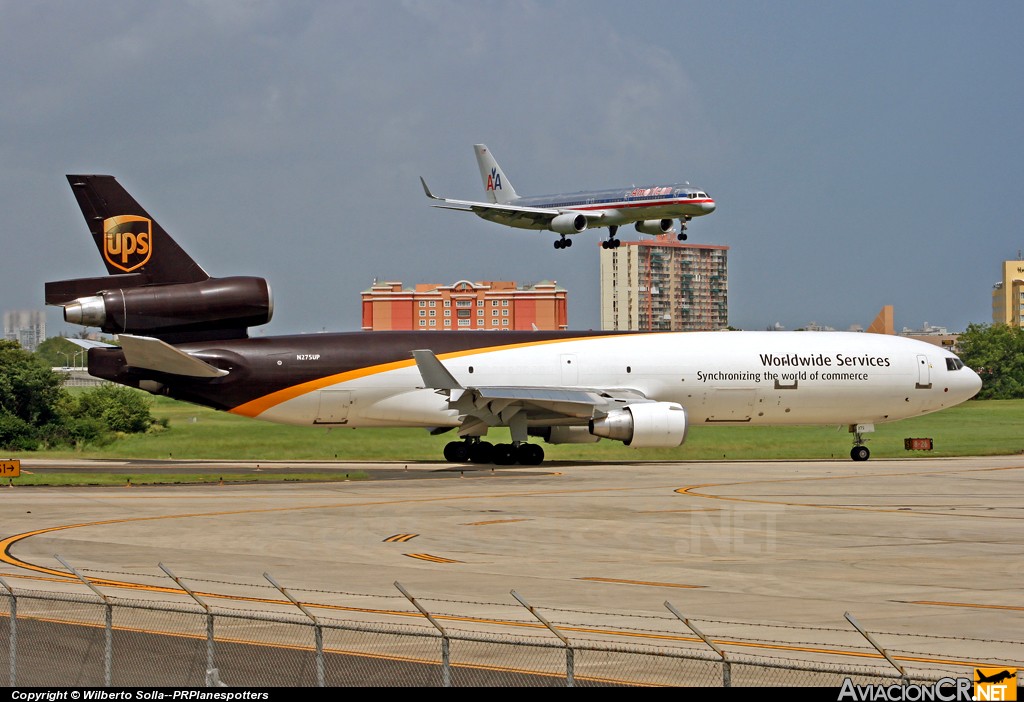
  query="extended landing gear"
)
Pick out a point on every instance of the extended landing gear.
point(476, 451)
point(611, 242)
point(860, 452)
point(563, 243)
point(682, 229)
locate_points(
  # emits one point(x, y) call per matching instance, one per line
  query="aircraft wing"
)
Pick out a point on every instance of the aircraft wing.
point(496, 405)
point(512, 215)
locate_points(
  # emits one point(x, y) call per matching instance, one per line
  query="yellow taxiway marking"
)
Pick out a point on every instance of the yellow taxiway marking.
point(971, 605)
point(432, 559)
point(638, 582)
point(400, 538)
point(693, 491)
point(495, 521)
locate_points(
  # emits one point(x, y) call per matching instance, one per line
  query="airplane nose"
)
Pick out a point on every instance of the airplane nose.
point(709, 206)
point(973, 383)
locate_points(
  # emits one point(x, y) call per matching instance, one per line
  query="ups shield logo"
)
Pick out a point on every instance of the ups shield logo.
point(127, 241)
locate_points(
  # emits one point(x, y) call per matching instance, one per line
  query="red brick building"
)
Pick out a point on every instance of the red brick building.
point(491, 304)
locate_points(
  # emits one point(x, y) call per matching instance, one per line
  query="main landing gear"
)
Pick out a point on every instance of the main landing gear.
point(563, 243)
point(682, 228)
point(474, 450)
point(611, 242)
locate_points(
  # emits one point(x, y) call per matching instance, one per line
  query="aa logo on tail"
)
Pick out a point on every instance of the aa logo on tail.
point(494, 180)
point(127, 241)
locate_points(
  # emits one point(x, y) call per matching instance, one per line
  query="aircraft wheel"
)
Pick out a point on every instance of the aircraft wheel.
point(456, 452)
point(481, 452)
point(530, 454)
point(616, 243)
point(682, 236)
point(568, 243)
point(559, 243)
point(860, 453)
point(604, 244)
point(504, 454)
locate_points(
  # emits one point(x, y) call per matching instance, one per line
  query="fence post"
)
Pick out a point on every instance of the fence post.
point(866, 635)
point(212, 674)
point(318, 633)
point(446, 670)
point(726, 663)
point(108, 648)
point(13, 633)
point(570, 655)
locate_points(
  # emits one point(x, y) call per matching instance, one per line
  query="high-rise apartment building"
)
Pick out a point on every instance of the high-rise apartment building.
point(1008, 295)
point(27, 327)
point(495, 305)
point(661, 284)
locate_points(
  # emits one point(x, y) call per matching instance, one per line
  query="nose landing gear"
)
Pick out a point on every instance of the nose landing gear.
point(860, 452)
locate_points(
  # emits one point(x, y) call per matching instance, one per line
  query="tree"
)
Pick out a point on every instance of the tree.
point(996, 353)
point(36, 410)
point(29, 389)
point(122, 409)
point(58, 352)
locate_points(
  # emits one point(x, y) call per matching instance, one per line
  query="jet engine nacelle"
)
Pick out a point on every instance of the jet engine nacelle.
point(654, 226)
point(644, 425)
point(565, 435)
point(569, 223)
point(215, 303)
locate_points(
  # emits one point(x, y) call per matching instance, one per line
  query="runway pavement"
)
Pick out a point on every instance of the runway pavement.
point(771, 552)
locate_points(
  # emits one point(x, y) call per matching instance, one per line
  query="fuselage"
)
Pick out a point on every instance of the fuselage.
point(620, 206)
point(369, 379)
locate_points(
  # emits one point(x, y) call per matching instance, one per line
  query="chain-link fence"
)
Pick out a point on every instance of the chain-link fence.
point(53, 639)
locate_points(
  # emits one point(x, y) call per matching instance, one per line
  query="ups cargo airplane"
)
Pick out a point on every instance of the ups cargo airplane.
point(184, 334)
point(650, 209)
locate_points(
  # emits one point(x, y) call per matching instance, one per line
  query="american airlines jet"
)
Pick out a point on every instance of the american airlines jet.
point(184, 334)
point(650, 209)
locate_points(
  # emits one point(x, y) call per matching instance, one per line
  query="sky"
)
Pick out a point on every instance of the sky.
point(861, 154)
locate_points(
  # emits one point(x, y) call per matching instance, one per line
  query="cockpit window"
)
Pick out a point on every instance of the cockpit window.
point(702, 194)
point(954, 364)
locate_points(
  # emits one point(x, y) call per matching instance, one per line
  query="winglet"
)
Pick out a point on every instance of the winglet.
point(434, 374)
point(431, 195)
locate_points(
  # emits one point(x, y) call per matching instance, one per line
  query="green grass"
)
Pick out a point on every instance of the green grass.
point(980, 427)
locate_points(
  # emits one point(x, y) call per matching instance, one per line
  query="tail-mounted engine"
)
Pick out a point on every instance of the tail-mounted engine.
point(215, 308)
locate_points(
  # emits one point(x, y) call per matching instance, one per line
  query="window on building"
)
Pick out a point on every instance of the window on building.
point(447, 313)
point(465, 322)
point(423, 303)
point(433, 303)
point(423, 322)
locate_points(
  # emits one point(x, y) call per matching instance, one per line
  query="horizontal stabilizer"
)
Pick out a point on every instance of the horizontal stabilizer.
point(156, 355)
point(62, 292)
